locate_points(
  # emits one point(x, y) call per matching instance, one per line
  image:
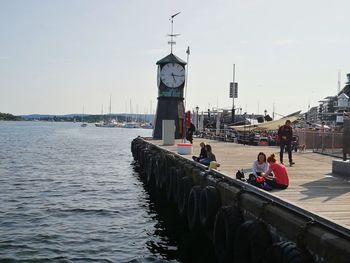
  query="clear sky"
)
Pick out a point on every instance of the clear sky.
point(56, 56)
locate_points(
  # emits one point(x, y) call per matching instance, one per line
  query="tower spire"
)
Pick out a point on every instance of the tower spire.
point(172, 35)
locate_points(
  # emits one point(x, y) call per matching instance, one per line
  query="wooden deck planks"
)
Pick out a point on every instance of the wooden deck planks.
point(312, 185)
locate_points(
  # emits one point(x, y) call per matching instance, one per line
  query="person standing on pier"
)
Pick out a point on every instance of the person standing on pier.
point(189, 133)
point(285, 136)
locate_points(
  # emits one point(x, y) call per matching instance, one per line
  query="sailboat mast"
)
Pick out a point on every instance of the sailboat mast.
point(110, 104)
point(339, 73)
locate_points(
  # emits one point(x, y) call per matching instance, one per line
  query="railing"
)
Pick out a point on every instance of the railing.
point(226, 135)
point(330, 143)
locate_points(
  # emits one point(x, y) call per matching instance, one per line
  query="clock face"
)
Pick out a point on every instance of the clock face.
point(172, 75)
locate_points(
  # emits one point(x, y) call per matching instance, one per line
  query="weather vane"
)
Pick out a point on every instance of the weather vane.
point(172, 35)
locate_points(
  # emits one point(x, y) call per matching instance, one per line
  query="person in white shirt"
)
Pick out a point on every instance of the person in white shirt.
point(260, 165)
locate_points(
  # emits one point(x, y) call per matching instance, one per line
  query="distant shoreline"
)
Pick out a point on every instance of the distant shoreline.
point(9, 117)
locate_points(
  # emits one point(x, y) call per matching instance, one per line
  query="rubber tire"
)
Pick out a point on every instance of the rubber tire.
point(139, 147)
point(173, 184)
point(283, 252)
point(227, 221)
point(164, 173)
point(177, 182)
point(142, 160)
point(151, 171)
point(183, 191)
point(193, 208)
point(158, 170)
point(252, 240)
point(169, 183)
point(132, 147)
point(208, 206)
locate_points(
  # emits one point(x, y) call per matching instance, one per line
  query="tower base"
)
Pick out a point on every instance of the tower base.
point(169, 109)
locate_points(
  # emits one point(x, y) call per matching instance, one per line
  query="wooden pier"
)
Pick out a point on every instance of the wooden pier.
point(312, 187)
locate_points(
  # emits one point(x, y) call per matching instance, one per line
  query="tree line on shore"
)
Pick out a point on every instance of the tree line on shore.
point(9, 117)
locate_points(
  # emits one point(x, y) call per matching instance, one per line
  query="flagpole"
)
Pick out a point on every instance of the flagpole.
point(184, 117)
point(233, 94)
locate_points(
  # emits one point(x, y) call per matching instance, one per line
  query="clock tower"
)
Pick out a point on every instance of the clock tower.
point(171, 79)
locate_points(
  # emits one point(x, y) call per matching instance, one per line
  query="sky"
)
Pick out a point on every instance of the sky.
point(64, 56)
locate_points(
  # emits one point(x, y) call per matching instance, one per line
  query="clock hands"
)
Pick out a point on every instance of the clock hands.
point(174, 75)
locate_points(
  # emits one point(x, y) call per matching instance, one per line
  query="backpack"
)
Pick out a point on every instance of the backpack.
point(240, 175)
point(259, 182)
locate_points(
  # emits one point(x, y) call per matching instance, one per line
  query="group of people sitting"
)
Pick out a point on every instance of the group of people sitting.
point(268, 170)
point(206, 156)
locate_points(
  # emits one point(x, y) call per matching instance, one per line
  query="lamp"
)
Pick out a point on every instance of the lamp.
point(197, 109)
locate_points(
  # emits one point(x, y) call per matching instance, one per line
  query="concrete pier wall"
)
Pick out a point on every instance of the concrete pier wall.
point(235, 214)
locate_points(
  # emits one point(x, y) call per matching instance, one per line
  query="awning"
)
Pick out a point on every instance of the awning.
point(267, 126)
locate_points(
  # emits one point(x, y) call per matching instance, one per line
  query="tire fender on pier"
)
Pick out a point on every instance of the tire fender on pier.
point(193, 208)
point(284, 251)
point(134, 143)
point(177, 180)
point(208, 206)
point(150, 171)
point(227, 221)
point(169, 183)
point(183, 191)
point(196, 175)
point(203, 178)
point(168, 161)
point(139, 147)
point(132, 147)
point(252, 240)
point(142, 159)
point(158, 169)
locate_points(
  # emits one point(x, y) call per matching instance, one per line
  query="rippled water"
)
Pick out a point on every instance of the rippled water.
point(71, 194)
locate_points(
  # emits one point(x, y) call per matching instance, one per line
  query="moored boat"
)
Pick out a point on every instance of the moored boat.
point(131, 125)
point(108, 124)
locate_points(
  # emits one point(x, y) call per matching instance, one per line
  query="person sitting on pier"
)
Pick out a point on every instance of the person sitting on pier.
point(280, 179)
point(260, 165)
point(203, 153)
point(210, 156)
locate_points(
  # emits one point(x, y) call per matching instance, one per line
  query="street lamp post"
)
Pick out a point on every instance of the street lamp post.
point(197, 109)
point(208, 117)
point(245, 118)
point(233, 95)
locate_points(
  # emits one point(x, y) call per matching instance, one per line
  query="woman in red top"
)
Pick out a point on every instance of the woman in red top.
point(280, 179)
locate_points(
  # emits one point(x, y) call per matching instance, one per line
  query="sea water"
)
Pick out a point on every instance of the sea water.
point(74, 194)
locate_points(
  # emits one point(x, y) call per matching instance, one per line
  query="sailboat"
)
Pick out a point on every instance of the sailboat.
point(130, 123)
point(83, 124)
point(108, 123)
